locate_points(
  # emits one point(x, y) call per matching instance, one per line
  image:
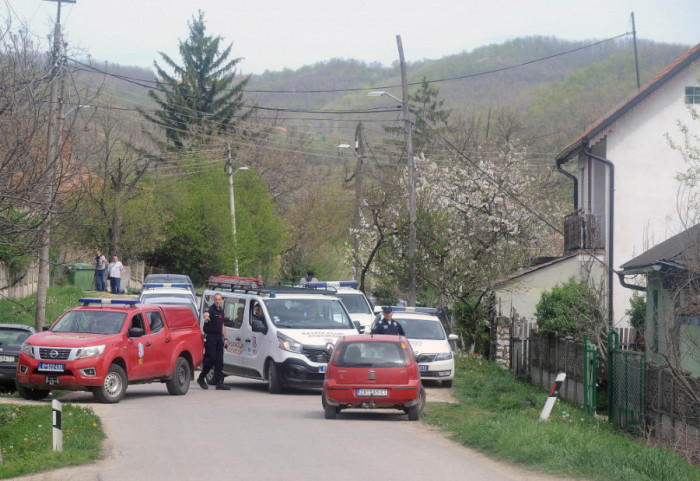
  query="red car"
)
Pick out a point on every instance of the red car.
point(373, 371)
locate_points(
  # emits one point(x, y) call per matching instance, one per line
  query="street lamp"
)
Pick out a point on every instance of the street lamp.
point(411, 184)
point(231, 173)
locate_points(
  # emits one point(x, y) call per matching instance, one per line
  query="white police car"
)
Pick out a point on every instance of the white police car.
point(353, 299)
point(430, 344)
point(164, 291)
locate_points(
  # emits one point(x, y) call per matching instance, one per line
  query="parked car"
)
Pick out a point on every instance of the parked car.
point(157, 290)
point(169, 279)
point(167, 300)
point(106, 344)
point(11, 338)
point(430, 344)
point(375, 372)
point(358, 306)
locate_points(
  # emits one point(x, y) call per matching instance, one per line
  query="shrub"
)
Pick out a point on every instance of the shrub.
point(569, 309)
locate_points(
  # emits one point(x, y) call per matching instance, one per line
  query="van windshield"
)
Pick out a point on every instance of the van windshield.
point(308, 314)
point(355, 303)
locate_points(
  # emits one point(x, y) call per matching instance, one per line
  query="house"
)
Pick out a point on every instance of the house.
point(672, 272)
point(623, 172)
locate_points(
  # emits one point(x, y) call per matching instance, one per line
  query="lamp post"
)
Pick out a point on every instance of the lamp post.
point(358, 151)
point(231, 173)
point(411, 185)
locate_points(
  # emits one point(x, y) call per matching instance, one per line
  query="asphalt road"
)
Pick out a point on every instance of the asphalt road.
point(246, 433)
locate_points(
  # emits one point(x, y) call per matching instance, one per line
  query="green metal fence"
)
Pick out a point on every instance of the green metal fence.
point(590, 364)
point(626, 385)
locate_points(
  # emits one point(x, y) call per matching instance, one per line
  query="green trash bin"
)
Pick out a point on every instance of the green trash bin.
point(81, 275)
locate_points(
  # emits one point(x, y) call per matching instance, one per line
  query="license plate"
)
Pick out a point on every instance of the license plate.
point(322, 368)
point(372, 392)
point(7, 358)
point(423, 367)
point(52, 380)
point(47, 366)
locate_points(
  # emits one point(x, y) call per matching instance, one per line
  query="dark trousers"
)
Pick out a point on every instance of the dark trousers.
point(115, 285)
point(100, 280)
point(214, 357)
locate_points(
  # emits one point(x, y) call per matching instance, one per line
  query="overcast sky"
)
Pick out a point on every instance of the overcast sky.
point(277, 34)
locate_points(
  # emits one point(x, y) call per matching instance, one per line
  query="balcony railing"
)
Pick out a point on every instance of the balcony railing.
point(582, 231)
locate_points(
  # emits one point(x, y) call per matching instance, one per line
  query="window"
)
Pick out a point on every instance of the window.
point(155, 321)
point(233, 312)
point(692, 95)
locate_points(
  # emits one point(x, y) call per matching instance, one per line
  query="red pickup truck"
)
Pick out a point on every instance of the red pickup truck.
point(106, 344)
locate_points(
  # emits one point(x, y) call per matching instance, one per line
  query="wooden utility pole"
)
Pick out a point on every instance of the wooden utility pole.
point(411, 181)
point(53, 153)
point(359, 153)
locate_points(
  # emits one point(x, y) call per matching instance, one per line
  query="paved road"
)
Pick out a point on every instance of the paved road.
point(247, 433)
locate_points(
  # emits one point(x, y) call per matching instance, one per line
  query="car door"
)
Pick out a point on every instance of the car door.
point(136, 349)
point(158, 344)
point(234, 323)
point(255, 352)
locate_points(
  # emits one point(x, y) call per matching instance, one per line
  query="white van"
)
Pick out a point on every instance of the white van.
point(359, 308)
point(289, 342)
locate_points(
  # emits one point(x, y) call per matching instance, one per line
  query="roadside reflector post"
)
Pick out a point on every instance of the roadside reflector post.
point(57, 430)
point(552, 396)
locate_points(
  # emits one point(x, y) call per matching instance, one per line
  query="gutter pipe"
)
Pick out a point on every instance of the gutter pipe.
point(560, 162)
point(610, 232)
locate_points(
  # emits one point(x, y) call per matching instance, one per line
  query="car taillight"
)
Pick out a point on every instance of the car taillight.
point(334, 357)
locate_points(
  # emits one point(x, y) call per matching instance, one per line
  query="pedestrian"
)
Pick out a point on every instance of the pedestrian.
point(309, 278)
point(100, 263)
point(214, 343)
point(115, 274)
point(387, 325)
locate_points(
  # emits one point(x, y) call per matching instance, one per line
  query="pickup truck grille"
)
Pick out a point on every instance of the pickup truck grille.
point(54, 354)
point(316, 355)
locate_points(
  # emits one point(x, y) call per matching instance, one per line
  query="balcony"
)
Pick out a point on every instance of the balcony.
point(582, 231)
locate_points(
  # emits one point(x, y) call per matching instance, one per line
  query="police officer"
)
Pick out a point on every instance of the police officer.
point(214, 344)
point(387, 325)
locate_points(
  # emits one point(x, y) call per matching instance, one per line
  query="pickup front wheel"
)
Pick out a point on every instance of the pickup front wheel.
point(114, 386)
point(180, 382)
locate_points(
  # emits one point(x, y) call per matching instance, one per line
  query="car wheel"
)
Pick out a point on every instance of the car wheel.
point(447, 383)
point(329, 411)
point(114, 386)
point(421, 399)
point(274, 383)
point(32, 394)
point(180, 382)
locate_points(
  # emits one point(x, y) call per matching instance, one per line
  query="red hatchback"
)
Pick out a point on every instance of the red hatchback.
point(375, 372)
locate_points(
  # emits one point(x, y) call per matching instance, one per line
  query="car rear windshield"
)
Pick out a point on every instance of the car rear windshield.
point(371, 354)
point(355, 303)
point(95, 322)
point(422, 328)
point(308, 314)
point(13, 337)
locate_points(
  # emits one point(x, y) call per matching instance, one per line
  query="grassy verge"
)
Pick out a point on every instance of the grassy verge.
point(22, 311)
point(499, 415)
point(26, 433)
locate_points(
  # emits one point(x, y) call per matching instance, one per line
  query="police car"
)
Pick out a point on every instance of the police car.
point(278, 334)
point(163, 292)
point(354, 300)
point(429, 342)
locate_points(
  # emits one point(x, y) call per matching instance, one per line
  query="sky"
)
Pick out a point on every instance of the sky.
point(278, 34)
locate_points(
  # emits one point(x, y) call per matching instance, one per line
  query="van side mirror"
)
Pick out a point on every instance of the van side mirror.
point(259, 326)
point(360, 328)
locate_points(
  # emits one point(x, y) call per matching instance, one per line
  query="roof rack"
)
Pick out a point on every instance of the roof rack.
point(86, 301)
point(234, 283)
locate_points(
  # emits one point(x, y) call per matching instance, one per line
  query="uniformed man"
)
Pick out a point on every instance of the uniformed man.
point(387, 325)
point(214, 344)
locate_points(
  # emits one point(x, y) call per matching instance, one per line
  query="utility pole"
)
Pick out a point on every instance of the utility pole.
point(359, 150)
point(636, 59)
point(53, 153)
point(411, 181)
point(232, 203)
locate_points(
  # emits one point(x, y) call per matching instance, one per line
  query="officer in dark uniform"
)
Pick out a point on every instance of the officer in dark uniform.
point(387, 325)
point(214, 343)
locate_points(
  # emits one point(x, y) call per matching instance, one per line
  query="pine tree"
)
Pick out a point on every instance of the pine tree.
point(199, 100)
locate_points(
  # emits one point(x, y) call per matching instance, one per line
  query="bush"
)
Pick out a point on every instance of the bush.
point(568, 309)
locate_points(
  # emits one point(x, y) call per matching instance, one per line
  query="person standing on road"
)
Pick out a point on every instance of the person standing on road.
point(115, 274)
point(214, 343)
point(100, 263)
point(387, 325)
point(309, 278)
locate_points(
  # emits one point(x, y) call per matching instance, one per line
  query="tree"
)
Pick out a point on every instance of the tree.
point(199, 100)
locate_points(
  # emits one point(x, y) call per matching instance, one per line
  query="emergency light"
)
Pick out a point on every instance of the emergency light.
point(315, 285)
point(236, 283)
point(99, 300)
point(166, 285)
point(427, 310)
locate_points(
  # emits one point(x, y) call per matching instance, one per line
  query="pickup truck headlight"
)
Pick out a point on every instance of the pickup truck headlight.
point(289, 344)
point(91, 351)
point(444, 356)
point(27, 349)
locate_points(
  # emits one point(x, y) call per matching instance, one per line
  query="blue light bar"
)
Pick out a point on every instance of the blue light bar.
point(316, 285)
point(165, 285)
point(99, 300)
point(426, 310)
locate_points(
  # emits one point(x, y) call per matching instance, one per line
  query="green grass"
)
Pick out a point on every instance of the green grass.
point(22, 311)
point(26, 434)
point(499, 415)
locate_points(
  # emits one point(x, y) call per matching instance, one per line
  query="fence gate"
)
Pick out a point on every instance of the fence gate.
point(590, 364)
point(519, 348)
point(626, 385)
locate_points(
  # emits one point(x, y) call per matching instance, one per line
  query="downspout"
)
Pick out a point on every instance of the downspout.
point(560, 162)
point(624, 283)
point(611, 220)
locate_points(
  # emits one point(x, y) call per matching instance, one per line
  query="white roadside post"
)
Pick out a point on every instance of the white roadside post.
point(552, 396)
point(57, 430)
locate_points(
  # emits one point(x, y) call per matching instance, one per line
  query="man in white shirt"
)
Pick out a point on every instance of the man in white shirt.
point(309, 278)
point(115, 274)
